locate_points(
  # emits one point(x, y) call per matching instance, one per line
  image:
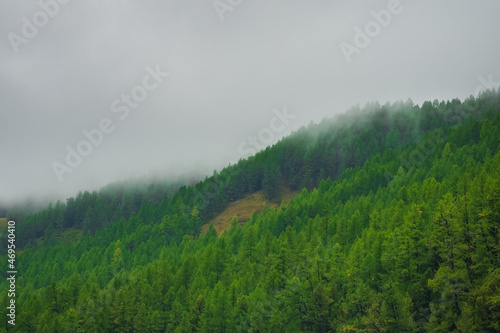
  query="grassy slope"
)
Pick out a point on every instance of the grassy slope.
point(244, 208)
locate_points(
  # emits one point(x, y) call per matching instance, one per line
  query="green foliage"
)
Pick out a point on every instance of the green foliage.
point(400, 235)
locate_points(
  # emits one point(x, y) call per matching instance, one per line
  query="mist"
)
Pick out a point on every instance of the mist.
point(93, 92)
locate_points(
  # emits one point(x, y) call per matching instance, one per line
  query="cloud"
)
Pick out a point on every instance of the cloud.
point(226, 78)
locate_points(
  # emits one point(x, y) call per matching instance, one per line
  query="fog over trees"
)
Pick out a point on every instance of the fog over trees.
point(250, 166)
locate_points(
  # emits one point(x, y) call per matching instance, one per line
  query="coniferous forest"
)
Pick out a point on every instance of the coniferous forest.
point(392, 225)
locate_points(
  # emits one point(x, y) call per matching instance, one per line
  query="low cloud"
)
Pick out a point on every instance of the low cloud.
point(64, 64)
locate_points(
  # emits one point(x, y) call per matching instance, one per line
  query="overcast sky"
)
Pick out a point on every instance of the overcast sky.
point(236, 69)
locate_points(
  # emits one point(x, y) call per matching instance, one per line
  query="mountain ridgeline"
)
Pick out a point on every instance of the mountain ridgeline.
point(394, 228)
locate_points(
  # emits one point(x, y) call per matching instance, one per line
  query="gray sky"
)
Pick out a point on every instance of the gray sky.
point(233, 66)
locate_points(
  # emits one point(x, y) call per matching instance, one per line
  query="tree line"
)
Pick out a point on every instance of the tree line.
point(400, 238)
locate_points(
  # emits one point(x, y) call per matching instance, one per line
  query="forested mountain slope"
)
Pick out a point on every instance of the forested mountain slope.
point(395, 229)
point(300, 160)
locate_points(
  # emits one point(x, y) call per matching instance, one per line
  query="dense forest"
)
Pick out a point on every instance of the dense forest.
point(394, 228)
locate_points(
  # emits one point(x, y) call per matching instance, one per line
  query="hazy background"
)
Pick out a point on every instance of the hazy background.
point(226, 78)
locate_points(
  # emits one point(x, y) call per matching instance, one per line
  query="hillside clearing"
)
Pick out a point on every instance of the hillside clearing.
point(244, 208)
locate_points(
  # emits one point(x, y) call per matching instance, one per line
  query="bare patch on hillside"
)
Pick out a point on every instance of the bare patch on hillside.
point(244, 208)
